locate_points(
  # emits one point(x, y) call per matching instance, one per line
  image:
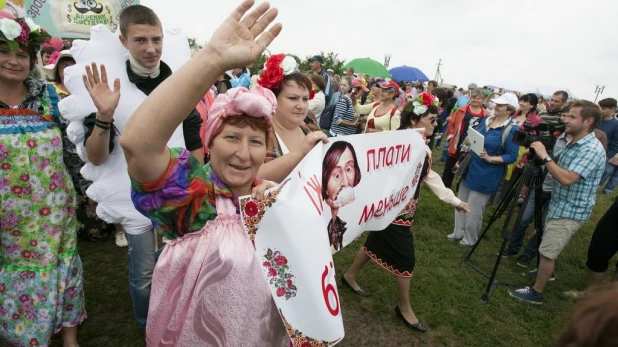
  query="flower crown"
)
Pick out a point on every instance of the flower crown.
point(22, 31)
point(276, 66)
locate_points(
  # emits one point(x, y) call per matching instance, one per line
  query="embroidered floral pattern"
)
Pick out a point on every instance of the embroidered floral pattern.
point(417, 174)
point(279, 275)
point(299, 340)
point(406, 216)
point(252, 211)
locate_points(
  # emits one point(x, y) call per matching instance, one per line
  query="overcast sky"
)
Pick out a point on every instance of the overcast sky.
point(567, 43)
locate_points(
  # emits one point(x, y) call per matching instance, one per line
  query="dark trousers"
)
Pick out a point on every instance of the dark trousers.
point(447, 174)
point(604, 242)
point(532, 247)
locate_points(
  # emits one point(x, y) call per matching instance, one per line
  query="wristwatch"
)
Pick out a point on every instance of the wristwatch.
point(547, 159)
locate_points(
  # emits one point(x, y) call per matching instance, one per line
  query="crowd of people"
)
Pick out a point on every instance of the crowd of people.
point(250, 135)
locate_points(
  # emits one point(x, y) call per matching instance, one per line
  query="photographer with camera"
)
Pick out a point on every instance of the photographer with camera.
point(577, 174)
point(519, 230)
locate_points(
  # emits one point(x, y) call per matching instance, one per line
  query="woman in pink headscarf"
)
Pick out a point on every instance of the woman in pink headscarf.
point(207, 288)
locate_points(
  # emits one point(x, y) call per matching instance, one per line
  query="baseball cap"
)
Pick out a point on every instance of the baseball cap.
point(317, 58)
point(388, 85)
point(330, 70)
point(472, 86)
point(357, 82)
point(507, 99)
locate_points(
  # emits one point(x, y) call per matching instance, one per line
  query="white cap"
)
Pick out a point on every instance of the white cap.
point(330, 70)
point(507, 99)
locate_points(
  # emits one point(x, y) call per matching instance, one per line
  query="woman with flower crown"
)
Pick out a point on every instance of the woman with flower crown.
point(41, 291)
point(290, 139)
point(393, 247)
point(208, 288)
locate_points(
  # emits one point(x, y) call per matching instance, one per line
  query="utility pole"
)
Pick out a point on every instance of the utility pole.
point(598, 90)
point(438, 77)
point(387, 59)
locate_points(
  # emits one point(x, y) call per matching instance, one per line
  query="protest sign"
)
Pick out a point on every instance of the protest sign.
point(350, 185)
point(73, 19)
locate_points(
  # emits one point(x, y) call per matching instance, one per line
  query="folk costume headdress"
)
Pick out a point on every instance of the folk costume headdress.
point(22, 31)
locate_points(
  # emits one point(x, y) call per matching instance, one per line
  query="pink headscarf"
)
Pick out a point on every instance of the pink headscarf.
point(257, 102)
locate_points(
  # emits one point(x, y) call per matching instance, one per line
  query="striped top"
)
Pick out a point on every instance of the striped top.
point(343, 112)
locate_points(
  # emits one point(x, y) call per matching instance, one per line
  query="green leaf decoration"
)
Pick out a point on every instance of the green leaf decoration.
point(13, 45)
point(269, 254)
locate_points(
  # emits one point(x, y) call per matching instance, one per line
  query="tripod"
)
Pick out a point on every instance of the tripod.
point(530, 176)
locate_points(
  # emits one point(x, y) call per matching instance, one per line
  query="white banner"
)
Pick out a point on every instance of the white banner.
point(350, 185)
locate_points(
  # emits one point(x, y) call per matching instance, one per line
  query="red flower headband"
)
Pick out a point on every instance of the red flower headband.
point(277, 66)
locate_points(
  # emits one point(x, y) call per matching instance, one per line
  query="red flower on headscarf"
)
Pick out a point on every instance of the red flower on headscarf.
point(273, 75)
point(311, 95)
point(428, 99)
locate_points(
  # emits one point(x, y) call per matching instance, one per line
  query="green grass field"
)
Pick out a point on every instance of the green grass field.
point(445, 292)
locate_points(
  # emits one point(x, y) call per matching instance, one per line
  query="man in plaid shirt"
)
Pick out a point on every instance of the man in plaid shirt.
point(577, 174)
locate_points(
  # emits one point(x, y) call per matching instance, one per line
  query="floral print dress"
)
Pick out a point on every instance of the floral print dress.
point(40, 271)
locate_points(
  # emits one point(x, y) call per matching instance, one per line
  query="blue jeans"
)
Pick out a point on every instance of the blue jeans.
point(141, 266)
point(445, 149)
point(611, 176)
point(519, 231)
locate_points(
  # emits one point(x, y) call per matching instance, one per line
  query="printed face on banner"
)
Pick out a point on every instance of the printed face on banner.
point(338, 191)
point(340, 174)
point(75, 18)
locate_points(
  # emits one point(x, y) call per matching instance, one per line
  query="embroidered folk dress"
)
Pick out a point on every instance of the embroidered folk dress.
point(207, 288)
point(393, 247)
point(41, 286)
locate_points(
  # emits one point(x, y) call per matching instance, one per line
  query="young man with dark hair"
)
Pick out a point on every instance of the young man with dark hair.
point(142, 35)
point(577, 173)
point(557, 102)
point(609, 125)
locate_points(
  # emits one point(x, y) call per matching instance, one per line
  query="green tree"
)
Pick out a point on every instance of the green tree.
point(193, 43)
point(257, 65)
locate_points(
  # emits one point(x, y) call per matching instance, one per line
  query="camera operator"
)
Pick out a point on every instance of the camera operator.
point(519, 230)
point(577, 174)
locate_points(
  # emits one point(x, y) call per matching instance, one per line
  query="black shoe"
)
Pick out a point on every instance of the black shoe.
point(417, 326)
point(508, 253)
point(523, 261)
point(360, 291)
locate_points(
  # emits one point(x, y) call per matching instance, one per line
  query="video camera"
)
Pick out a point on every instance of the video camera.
point(546, 132)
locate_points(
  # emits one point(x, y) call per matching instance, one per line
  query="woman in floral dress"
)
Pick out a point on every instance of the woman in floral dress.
point(41, 289)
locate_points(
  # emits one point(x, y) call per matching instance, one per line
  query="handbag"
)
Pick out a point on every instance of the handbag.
point(461, 169)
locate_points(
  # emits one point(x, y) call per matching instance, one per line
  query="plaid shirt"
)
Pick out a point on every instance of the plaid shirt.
point(586, 158)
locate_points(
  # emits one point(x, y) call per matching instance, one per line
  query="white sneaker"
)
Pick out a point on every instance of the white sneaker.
point(121, 240)
point(453, 237)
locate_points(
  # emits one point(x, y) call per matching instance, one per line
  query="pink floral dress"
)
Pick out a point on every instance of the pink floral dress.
point(40, 271)
point(207, 288)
